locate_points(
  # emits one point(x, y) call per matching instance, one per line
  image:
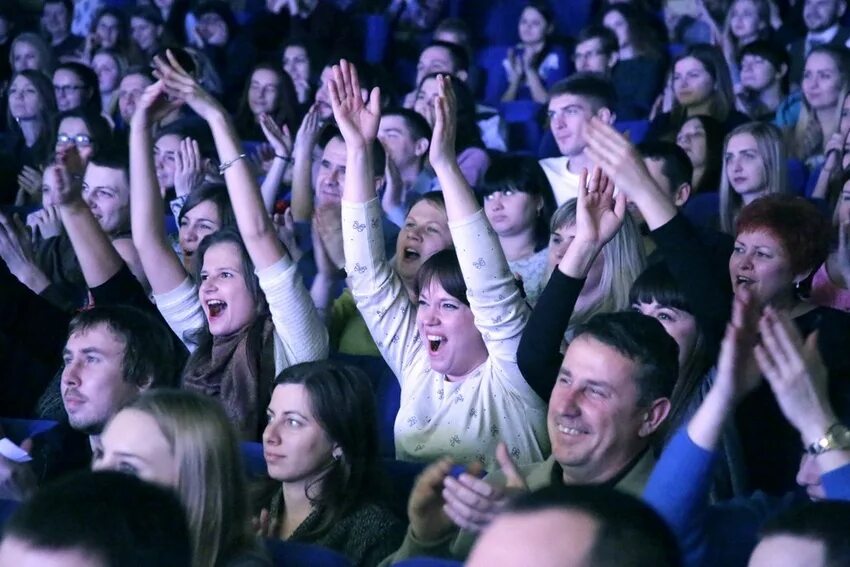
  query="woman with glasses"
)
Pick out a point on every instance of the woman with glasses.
point(76, 86)
point(85, 131)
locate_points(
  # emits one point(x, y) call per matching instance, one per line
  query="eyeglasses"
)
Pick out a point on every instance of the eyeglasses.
point(80, 140)
point(65, 89)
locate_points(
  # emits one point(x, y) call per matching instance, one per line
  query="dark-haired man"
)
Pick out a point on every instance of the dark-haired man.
point(56, 21)
point(823, 26)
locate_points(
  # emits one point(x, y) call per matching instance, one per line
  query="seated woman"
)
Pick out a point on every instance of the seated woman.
point(825, 82)
point(298, 61)
point(186, 442)
point(519, 203)
point(109, 67)
point(780, 242)
point(109, 31)
point(321, 446)
point(701, 85)
point(29, 51)
point(86, 131)
point(831, 283)
point(267, 91)
point(746, 21)
point(76, 86)
point(454, 354)
point(702, 139)
point(146, 34)
point(221, 314)
point(533, 65)
point(472, 158)
point(764, 80)
point(754, 165)
point(204, 212)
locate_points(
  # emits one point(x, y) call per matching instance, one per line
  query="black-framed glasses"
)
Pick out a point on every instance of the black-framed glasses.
point(65, 89)
point(80, 140)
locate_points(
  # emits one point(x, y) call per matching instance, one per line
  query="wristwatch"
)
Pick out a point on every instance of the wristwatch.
point(836, 437)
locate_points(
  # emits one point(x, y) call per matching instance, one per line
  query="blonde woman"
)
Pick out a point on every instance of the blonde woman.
point(754, 165)
point(746, 22)
point(185, 441)
point(612, 273)
point(824, 87)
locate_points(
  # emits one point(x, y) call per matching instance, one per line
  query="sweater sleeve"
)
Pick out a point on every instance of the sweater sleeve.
point(297, 324)
point(539, 353)
point(377, 289)
point(182, 310)
point(122, 289)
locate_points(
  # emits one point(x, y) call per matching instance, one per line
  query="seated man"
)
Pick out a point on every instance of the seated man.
point(610, 398)
point(56, 18)
point(567, 526)
point(764, 78)
point(102, 519)
point(823, 26)
point(572, 103)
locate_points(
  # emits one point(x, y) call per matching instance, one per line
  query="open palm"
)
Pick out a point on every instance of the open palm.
point(599, 214)
point(357, 121)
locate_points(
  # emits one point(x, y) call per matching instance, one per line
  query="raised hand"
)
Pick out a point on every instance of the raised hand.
point(279, 138)
point(513, 67)
point(181, 85)
point(357, 120)
point(68, 177)
point(188, 167)
point(796, 375)
point(309, 131)
point(285, 226)
point(45, 223)
point(29, 180)
point(428, 520)
point(153, 105)
point(328, 224)
point(599, 214)
point(737, 374)
point(442, 151)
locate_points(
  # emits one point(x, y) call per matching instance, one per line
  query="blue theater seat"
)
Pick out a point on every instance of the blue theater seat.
point(291, 554)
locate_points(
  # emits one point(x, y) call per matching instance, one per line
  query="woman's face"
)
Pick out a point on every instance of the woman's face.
point(201, 220)
point(757, 73)
point(822, 82)
point(295, 446)
point(511, 212)
point(69, 88)
point(164, 158)
point(691, 138)
point(760, 264)
point(223, 290)
point(559, 242)
point(133, 443)
point(745, 168)
point(425, 232)
point(447, 330)
point(49, 187)
point(24, 100)
point(145, 34)
point(692, 83)
point(533, 27)
point(25, 56)
point(744, 21)
point(615, 22)
point(680, 325)
point(296, 63)
point(844, 124)
point(843, 205)
point(73, 132)
point(107, 71)
point(107, 30)
point(424, 103)
point(263, 91)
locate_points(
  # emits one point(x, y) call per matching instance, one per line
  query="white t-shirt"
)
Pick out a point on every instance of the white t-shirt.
point(564, 183)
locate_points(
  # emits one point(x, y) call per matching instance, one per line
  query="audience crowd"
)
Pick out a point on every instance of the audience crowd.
point(425, 282)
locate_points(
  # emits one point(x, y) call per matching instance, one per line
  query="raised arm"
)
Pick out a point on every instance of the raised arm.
point(147, 213)
point(252, 217)
point(302, 166)
point(281, 142)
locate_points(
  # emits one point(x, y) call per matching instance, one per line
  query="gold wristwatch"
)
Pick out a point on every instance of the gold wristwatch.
point(837, 437)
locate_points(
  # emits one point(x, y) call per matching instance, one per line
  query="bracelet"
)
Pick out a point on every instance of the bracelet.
point(286, 159)
point(224, 167)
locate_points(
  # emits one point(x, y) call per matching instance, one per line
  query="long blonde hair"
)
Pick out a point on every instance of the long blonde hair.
point(774, 158)
point(807, 139)
point(731, 48)
point(623, 261)
point(210, 481)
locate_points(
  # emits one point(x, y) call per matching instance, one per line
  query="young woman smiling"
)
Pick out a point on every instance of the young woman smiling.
point(454, 354)
point(222, 314)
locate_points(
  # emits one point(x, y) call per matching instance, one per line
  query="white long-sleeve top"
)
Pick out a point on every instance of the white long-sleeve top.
point(300, 335)
point(464, 419)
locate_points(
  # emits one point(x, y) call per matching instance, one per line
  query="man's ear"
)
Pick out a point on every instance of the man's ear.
point(606, 115)
point(420, 148)
point(654, 416)
point(682, 194)
point(462, 75)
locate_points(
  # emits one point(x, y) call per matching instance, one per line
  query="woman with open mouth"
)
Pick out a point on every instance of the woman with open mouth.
point(245, 315)
point(455, 354)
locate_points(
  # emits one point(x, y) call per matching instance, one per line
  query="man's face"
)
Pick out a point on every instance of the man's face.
point(536, 538)
point(17, 552)
point(822, 14)
point(129, 91)
point(568, 115)
point(757, 73)
point(55, 19)
point(594, 418)
point(107, 193)
point(323, 95)
point(93, 385)
point(331, 176)
point(399, 142)
point(434, 59)
point(589, 56)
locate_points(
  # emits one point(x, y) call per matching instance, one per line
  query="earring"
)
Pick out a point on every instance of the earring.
point(337, 455)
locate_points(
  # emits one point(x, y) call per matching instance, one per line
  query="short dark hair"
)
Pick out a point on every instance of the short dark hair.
point(675, 163)
point(150, 357)
point(149, 13)
point(114, 158)
point(118, 518)
point(415, 122)
point(523, 173)
point(445, 268)
point(598, 90)
point(455, 26)
point(379, 156)
point(827, 522)
point(90, 82)
point(629, 532)
point(643, 340)
point(767, 50)
point(606, 37)
point(215, 193)
point(222, 10)
point(69, 6)
point(459, 57)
